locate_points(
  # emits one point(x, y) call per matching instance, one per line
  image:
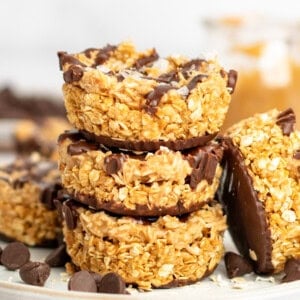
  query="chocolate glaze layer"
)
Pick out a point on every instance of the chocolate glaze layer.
point(149, 146)
point(246, 215)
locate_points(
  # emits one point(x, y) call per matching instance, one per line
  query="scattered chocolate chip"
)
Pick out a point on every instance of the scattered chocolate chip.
point(83, 281)
point(97, 277)
point(292, 270)
point(153, 98)
point(35, 273)
point(113, 163)
point(193, 83)
point(73, 74)
point(70, 215)
point(112, 283)
point(193, 64)
point(80, 147)
point(58, 257)
point(286, 120)
point(143, 61)
point(232, 79)
point(236, 265)
point(15, 255)
point(297, 155)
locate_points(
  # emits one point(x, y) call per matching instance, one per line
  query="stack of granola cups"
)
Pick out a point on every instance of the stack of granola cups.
point(142, 167)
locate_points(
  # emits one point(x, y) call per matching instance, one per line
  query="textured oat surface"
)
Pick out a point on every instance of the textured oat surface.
point(40, 135)
point(22, 215)
point(156, 181)
point(270, 159)
point(152, 253)
point(101, 103)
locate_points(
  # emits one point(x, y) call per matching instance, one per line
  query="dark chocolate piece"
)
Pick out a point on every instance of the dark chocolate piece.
point(82, 281)
point(193, 83)
point(80, 147)
point(65, 58)
point(286, 120)
point(149, 146)
point(35, 273)
point(73, 134)
point(143, 61)
point(117, 207)
point(193, 64)
point(153, 98)
point(245, 213)
point(236, 265)
point(113, 163)
point(49, 193)
point(112, 283)
point(58, 257)
point(292, 270)
point(88, 52)
point(232, 79)
point(103, 55)
point(15, 255)
point(73, 74)
point(97, 277)
point(69, 214)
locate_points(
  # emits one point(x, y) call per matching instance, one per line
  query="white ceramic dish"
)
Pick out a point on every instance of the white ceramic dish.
point(216, 287)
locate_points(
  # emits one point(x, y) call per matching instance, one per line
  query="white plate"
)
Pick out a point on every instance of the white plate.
point(252, 286)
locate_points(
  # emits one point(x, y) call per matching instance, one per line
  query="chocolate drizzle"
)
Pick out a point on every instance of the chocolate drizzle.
point(73, 135)
point(193, 64)
point(245, 212)
point(154, 97)
point(286, 120)
point(143, 61)
point(65, 58)
point(197, 79)
point(168, 77)
point(103, 55)
point(70, 214)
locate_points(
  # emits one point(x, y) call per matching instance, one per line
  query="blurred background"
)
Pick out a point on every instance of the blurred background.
point(258, 38)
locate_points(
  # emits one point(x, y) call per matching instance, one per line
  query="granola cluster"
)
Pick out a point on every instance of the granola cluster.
point(148, 253)
point(124, 94)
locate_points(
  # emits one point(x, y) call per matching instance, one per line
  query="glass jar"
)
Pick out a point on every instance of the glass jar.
point(266, 54)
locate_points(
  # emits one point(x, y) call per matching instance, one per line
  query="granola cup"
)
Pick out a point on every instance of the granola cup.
point(146, 252)
point(260, 188)
point(143, 184)
point(135, 100)
point(39, 136)
point(27, 214)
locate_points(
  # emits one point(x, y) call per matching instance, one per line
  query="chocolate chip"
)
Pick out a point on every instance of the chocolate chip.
point(297, 155)
point(153, 98)
point(73, 74)
point(48, 194)
point(112, 283)
point(113, 163)
point(15, 255)
point(286, 120)
point(70, 215)
point(83, 281)
point(65, 58)
point(236, 265)
point(81, 147)
point(292, 270)
point(232, 79)
point(35, 273)
point(143, 61)
point(97, 277)
point(193, 83)
point(58, 257)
